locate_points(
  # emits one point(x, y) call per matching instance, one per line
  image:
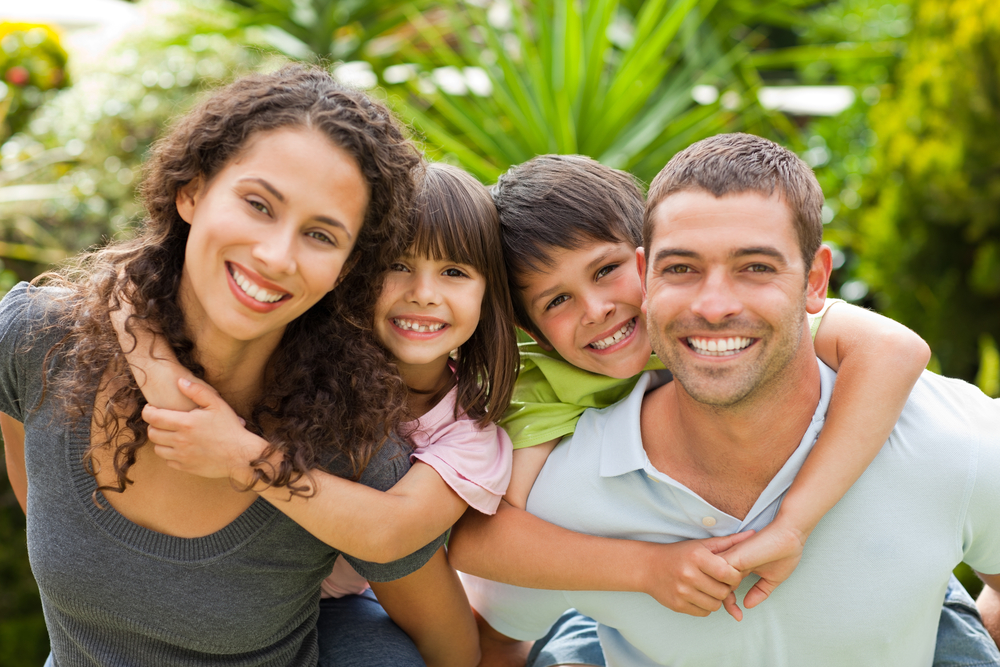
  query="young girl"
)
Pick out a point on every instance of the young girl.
point(258, 201)
point(444, 316)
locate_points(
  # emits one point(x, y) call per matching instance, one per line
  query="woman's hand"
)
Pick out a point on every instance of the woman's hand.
point(209, 441)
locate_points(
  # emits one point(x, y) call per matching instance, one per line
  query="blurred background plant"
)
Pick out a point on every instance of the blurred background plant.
point(909, 160)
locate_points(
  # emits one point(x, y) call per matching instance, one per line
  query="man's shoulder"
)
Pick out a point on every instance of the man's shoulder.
point(941, 405)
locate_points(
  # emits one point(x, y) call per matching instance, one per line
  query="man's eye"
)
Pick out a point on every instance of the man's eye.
point(556, 301)
point(679, 269)
point(758, 268)
point(605, 270)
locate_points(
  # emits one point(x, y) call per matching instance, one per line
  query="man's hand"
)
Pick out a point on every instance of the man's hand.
point(988, 603)
point(209, 441)
point(772, 554)
point(690, 577)
point(499, 650)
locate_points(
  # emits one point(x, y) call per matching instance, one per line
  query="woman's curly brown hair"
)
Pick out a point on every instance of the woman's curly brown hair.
point(331, 395)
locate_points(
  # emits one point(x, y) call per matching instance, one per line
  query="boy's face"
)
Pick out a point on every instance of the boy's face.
point(587, 308)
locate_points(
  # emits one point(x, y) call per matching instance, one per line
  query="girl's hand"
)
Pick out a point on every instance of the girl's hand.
point(772, 554)
point(691, 577)
point(209, 441)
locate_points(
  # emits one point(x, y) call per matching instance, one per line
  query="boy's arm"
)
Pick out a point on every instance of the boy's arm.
point(372, 525)
point(430, 605)
point(878, 362)
point(527, 463)
point(516, 547)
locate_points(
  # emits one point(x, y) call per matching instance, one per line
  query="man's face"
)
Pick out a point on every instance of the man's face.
point(725, 292)
point(587, 308)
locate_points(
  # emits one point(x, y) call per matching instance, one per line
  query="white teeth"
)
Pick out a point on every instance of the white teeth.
point(252, 289)
point(615, 337)
point(719, 347)
point(411, 325)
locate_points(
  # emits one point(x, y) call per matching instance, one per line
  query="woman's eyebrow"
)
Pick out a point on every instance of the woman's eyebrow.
point(267, 186)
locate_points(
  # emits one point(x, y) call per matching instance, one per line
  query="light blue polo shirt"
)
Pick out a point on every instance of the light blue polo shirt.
point(869, 587)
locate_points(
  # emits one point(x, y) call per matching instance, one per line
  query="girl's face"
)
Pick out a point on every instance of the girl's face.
point(270, 234)
point(428, 308)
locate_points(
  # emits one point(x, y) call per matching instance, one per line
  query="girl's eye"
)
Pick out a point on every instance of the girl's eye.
point(396, 266)
point(556, 301)
point(455, 273)
point(260, 206)
point(603, 271)
point(322, 238)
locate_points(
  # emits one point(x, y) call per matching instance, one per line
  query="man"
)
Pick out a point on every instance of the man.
point(731, 265)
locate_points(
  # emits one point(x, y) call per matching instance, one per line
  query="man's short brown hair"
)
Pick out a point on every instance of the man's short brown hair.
point(736, 163)
point(554, 202)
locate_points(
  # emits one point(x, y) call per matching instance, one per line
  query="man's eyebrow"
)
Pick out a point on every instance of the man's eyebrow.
point(674, 252)
point(280, 197)
point(768, 251)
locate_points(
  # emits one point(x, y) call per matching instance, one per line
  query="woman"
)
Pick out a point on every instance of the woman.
point(259, 200)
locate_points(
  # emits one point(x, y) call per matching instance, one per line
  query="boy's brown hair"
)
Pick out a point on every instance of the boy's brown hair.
point(736, 163)
point(561, 202)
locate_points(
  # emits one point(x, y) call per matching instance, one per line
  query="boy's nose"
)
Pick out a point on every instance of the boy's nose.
point(597, 309)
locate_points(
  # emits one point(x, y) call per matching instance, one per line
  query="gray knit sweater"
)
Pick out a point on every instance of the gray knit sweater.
point(115, 593)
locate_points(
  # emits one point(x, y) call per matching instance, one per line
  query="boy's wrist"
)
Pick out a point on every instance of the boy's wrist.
point(788, 522)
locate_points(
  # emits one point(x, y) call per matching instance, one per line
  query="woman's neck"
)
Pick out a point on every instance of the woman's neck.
point(424, 382)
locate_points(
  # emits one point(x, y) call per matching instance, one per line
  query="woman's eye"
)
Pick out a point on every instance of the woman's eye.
point(260, 206)
point(556, 301)
point(606, 270)
point(455, 273)
point(323, 238)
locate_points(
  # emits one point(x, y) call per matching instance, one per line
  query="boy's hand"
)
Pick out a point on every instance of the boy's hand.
point(691, 578)
point(772, 554)
point(209, 441)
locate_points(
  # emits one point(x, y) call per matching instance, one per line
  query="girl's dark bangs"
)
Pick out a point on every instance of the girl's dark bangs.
point(440, 235)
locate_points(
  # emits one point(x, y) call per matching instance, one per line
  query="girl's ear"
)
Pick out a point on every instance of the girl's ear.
point(187, 199)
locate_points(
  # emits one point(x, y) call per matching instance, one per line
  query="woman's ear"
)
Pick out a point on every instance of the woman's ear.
point(187, 198)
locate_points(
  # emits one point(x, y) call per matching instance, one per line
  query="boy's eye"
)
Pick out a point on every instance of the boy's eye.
point(605, 270)
point(556, 301)
point(454, 273)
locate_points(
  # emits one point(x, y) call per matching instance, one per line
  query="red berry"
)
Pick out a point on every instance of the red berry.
point(17, 76)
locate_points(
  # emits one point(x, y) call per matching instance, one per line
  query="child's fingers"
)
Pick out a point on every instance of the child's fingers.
point(725, 542)
point(732, 607)
point(722, 573)
point(203, 395)
point(760, 592)
point(168, 420)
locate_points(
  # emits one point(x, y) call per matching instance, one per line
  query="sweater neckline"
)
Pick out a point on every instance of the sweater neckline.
point(258, 516)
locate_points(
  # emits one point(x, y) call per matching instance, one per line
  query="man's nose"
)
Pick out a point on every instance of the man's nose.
point(716, 299)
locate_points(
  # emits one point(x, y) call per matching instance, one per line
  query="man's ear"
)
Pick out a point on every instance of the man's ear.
point(187, 198)
point(540, 339)
point(818, 280)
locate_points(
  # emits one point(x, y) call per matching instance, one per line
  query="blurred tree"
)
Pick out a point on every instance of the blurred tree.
point(32, 62)
point(930, 242)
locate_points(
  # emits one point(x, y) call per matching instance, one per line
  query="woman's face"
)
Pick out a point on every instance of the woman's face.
point(270, 235)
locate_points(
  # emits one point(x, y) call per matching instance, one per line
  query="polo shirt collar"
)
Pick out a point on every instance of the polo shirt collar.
point(621, 442)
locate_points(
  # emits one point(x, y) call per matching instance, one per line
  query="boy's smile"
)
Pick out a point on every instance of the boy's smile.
point(587, 308)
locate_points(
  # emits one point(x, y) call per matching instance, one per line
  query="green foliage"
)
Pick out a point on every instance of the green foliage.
point(930, 242)
point(67, 181)
point(32, 62)
point(494, 87)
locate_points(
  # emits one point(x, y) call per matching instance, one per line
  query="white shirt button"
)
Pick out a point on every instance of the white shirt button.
point(708, 521)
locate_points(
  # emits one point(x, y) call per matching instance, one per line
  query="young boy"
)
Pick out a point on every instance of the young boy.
point(570, 230)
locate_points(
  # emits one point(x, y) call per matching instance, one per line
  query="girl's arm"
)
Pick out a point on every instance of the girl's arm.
point(430, 605)
point(878, 361)
point(13, 448)
point(377, 526)
point(211, 442)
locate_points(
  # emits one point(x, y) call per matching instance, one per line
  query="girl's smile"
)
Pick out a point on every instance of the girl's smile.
point(428, 308)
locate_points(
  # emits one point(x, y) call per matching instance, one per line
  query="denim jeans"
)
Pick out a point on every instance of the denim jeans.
point(354, 631)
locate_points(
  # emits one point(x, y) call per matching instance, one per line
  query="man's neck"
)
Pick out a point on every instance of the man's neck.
point(728, 455)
